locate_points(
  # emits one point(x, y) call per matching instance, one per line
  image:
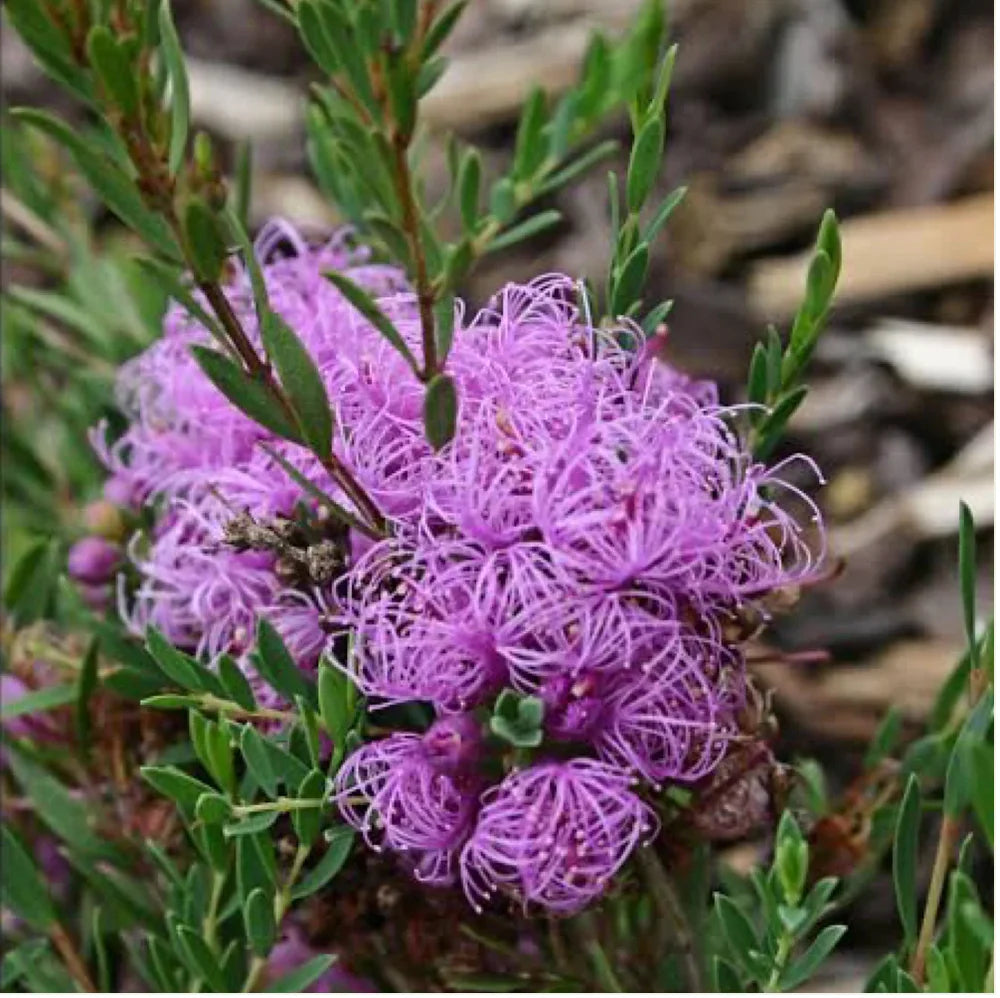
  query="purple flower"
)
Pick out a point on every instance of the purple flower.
point(415, 794)
point(554, 835)
point(93, 560)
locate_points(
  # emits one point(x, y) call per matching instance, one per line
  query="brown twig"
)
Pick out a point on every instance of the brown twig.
point(71, 958)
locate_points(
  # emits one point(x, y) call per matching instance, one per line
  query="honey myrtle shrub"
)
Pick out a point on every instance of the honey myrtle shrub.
point(472, 586)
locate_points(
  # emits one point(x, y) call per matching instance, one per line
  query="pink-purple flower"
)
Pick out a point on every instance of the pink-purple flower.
point(583, 539)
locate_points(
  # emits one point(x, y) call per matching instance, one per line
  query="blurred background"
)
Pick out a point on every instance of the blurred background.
point(881, 109)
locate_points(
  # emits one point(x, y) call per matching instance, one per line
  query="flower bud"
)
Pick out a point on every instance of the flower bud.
point(104, 519)
point(453, 743)
point(92, 560)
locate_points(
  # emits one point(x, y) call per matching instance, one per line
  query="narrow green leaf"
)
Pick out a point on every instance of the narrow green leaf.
point(302, 382)
point(200, 958)
point(177, 785)
point(885, 739)
point(340, 843)
point(302, 977)
point(111, 63)
point(181, 668)
point(112, 185)
point(470, 176)
point(38, 701)
point(306, 821)
point(243, 182)
point(525, 230)
point(258, 914)
point(180, 100)
point(21, 887)
point(245, 392)
point(213, 809)
point(277, 666)
point(967, 573)
point(362, 301)
point(577, 167)
point(644, 162)
point(168, 278)
point(663, 213)
point(49, 43)
point(235, 683)
point(441, 28)
point(904, 859)
point(806, 965)
point(961, 773)
point(529, 147)
point(440, 411)
point(739, 933)
point(629, 281)
point(85, 686)
point(251, 825)
point(258, 761)
point(205, 244)
point(65, 815)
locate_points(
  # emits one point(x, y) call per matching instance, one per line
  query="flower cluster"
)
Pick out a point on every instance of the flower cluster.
point(592, 537)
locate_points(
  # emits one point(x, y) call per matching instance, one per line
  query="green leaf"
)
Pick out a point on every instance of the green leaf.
point(365, 304)
point(180, 100)
point(21, 887)
point(904, 859)
point(300, 979)
point(340, 844)
point(629, 281)
point(440, 411)
point(529, 146)
point(525, 230)
point(967, 573)
point(725, 977)
point(258, 761)
point(938, 979)
point(85, 685)
point(576, 167)
point(981, 765)
point(200, 959)
point(739, 934)
point(518, 719)
point(167, 277)
point(885, 738)
point(806, 965)
point(402, 96)
point(774, 425)
point(169, 701)
point(503, 200)
point(441, 28)
point(791, 858)
point(111, 62)
point(274, 662)
point(306, 821)
point(205, 244)
point(213, 809)
point(335, 709)
point(65, 815)
point(960, 777)
point(177, 785)
point(470, 175)
point(245, 392)
point(828, 240)
point(302, 383)
point(38, 701)
point(258, 915)
point(663, 213)
point(251, 825)
point(949, 695)
point(49, 43)
point(644, 162)
point(235, 683)
point(112, 185)
point(181, 668)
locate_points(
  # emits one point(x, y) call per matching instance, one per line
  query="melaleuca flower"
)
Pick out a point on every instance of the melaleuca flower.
point(416, 794)
point(554, 835)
